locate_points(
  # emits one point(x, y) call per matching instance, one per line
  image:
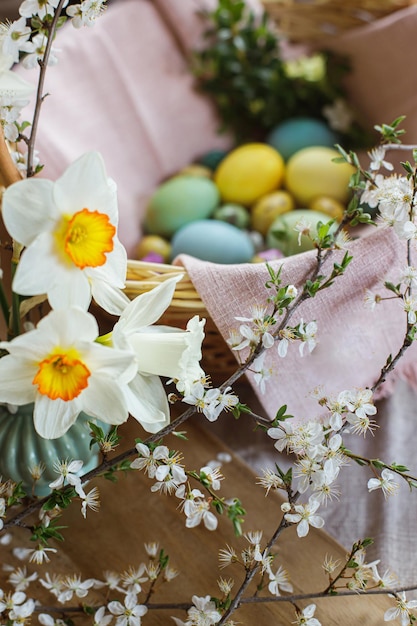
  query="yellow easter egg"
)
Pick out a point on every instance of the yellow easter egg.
point(267, 209)
point(156, 244)
point(311, 172)
point(195, 169)
point(329, 206)
point(249, 172)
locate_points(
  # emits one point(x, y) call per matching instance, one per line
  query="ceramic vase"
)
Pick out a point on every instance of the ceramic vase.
point(21, 448)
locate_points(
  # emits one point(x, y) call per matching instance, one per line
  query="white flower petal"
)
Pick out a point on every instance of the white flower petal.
point(147, 308)
point(16, 381)
point(85, 185)
point(110, 298)
point(104, 400)
point(147, 402)
point(28, 209)
point(52, 418)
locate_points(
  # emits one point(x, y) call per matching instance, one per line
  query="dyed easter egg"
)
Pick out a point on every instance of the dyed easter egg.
point(153, 244)
point(311, 172)
point(178, 201)
point(196, 170)
point(330, 206)
point(282, 233)
point(300, 132)
point(212, 240)
point(249, 172)
point(267, 209)
point(268, 255)
point(234, 214)
point(212, 158)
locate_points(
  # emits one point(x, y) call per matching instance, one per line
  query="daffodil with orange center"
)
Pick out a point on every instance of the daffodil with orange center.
point(62, 369)
point(69, 230)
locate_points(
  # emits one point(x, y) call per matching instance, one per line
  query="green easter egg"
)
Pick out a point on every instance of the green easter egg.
point(179, 201)
point(283, 236)
point(233, 214)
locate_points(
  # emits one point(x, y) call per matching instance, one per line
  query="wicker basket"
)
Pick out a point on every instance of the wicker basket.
point(314, 20)
point(218, 360)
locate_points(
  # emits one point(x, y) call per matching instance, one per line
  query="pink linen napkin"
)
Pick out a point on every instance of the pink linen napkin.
point(353, 341)
point(124, 88)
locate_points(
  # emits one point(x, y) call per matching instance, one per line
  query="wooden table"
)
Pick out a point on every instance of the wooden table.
point(130, 515)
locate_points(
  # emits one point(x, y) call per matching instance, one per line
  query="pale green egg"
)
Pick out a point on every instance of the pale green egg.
point(179, 201)
point(283, 235)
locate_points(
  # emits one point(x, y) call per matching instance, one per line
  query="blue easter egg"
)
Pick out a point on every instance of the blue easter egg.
point(300, 132)
point(212, 240)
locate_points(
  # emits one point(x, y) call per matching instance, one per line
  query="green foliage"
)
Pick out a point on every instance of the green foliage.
point(242, 69)
point(240, 408)
point(42, 533)
point(111, 473)
point(281, 415)
point(390, 133)
point(236, 513)
point(61, 498)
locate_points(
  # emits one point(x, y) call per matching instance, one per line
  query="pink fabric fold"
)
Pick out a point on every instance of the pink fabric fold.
point(353, 341)
point(379, 84)
point(124, 88)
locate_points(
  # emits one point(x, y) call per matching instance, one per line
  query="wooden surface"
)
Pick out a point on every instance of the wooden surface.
point(131, 515)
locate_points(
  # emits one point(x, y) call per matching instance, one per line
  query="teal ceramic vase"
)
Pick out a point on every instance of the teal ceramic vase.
point(21, 448)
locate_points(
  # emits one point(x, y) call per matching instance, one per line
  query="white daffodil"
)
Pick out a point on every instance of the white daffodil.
point(60, 368)
point(69, 229)
point(159, 351)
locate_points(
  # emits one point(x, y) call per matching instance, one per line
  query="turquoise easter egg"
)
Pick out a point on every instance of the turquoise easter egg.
point(300, 132)
point(283, 236)
point(212, 158)
point(179, 201)
point(212, 240)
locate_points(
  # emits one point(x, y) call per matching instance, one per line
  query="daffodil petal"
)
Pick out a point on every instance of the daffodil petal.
point(75, 290)
point(28, 209)
point(147, 402)
point(105, 400)
point(110, 298)
point(116, 364)
point(85, 185)
point(69, 325)
point(16, 381)
point(52, 418)
point(147, 308)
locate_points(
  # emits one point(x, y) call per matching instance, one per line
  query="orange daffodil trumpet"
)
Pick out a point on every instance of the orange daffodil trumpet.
point(60, 367)
point(69, 230)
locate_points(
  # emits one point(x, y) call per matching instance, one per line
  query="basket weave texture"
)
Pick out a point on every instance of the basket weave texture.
point(314, 20)
point(218, 360)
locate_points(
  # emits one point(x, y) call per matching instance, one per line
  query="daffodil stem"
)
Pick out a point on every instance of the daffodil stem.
point(14, 321)
point(4, 305)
